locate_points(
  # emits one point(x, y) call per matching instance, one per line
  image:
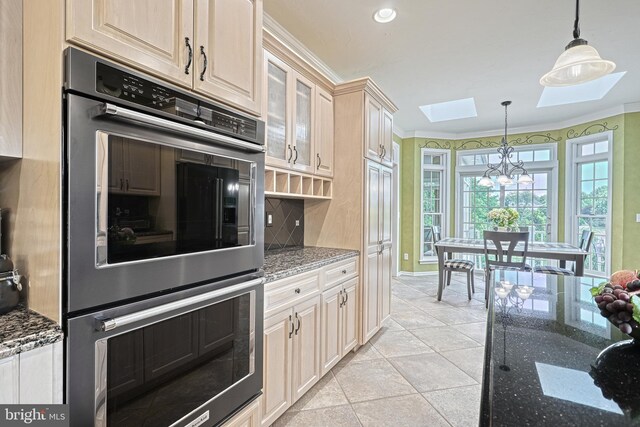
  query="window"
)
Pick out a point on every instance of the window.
point(589, 197)
point(434, 199)
point(535, 203)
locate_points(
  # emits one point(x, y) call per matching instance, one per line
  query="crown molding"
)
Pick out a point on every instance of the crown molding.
point(399, 132)
point(271, 26)
point(633, 107)
point(367, 85)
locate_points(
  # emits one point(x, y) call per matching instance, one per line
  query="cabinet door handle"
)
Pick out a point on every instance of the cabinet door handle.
point(121, 184)
point(384, 151)
point(127, 184)
point(190, 58)
point(290, 153)
point(290, 323)
point(296, 158)
point(341, 300)
point(319, 162)
point(204, 67)
point(299, 323)
point(346, 297)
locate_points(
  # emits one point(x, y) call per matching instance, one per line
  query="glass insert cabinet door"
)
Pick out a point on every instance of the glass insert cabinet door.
point(290, 109)
point(278, 140)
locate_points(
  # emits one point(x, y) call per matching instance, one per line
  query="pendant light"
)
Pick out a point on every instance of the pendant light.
point(506, 168)
point(579, 63)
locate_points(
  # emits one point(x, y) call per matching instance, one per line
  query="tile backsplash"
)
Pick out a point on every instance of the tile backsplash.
point(283, 231)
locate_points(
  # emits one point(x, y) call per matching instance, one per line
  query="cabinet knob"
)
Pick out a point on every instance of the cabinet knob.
point(297, 290)
point(344, 271)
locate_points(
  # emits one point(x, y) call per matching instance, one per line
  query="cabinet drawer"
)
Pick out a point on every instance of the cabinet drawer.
point(340, 271)
point(286, 292)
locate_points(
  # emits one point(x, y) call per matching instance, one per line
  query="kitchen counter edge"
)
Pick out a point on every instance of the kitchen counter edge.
point(22, 330)
point(282, 263)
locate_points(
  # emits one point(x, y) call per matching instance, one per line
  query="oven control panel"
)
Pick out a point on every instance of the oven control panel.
point(138, 90)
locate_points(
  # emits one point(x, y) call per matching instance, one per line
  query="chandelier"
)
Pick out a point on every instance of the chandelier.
point(506, 168)
point(579, 63)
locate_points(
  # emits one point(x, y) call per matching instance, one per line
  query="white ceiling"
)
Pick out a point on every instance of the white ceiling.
point(492, 50)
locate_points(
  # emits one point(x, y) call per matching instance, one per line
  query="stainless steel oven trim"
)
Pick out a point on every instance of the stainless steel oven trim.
point(102, 181)
point(101, 354)
point(111, 324)
point(111, 110)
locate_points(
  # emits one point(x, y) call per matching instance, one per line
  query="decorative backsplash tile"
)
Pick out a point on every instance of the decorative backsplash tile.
point(283, 232)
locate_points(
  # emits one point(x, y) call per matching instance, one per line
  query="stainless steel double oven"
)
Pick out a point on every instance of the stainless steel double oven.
point(163, 290)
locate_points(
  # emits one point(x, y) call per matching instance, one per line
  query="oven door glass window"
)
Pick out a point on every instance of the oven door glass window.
point(159, 373)
point(155, 200)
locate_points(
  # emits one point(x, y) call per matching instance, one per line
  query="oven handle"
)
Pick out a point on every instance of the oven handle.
point(111, 110)
point(109, 324)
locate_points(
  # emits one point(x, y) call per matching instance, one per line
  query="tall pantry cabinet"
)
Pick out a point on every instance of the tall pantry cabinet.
point(359, 215)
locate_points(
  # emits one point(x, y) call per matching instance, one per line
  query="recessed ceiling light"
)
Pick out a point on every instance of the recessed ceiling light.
point(385, 15)
point(450, 110)
point(589, 91)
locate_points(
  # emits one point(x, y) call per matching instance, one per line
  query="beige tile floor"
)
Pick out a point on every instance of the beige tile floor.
point(423, 368)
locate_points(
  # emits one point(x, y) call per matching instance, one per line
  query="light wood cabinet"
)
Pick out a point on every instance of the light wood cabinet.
point(153, 35)
point(360, 212)
point(32, 377)
point(290, 108)
point(324, 133)
point(378, 132)
point(306, 332)
point(291, 357)
point(277, 365)
point(306, 346)
point(339, 323)
point(134, 167)
point(229, 51)
point(247, 417)
point(11, 79)
point(377, 270)
point(220, 57)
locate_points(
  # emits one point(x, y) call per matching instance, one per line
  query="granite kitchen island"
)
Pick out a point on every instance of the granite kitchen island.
point(544, 360)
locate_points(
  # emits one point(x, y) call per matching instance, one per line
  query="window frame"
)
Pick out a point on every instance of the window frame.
point(550, 166)
point(445, 199)
point(571, 172)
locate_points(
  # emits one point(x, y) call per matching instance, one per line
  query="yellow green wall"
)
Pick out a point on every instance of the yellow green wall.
point(626, 177)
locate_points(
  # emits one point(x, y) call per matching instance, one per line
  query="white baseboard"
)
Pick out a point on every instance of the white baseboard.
point(417, 273)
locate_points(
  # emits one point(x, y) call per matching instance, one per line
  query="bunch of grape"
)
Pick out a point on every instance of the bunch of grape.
point(615, 304)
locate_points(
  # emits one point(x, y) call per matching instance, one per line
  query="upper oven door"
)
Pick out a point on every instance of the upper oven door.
point(154, 204)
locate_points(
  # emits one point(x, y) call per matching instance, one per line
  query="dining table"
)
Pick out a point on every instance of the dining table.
point(559, 251)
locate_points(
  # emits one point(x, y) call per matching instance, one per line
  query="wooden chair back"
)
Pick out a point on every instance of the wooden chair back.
point(505, 244)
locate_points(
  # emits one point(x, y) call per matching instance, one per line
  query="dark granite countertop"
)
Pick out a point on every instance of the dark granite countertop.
point(23, 330)
point(544, 359)
point(282, 263)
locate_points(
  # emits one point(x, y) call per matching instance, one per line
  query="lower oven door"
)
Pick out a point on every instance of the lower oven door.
point(189, 359)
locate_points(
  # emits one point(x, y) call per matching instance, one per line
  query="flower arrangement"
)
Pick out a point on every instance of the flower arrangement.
point(619, 302)
point(504, 217)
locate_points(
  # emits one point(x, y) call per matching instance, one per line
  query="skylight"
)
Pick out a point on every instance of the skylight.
point(590, 91)
point(451, 110)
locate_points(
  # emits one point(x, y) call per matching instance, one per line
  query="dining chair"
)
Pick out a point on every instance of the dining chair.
point(585, 245)
point(505, 244)
point(453, 265)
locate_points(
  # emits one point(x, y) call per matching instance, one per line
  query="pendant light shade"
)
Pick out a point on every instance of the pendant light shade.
point(485, 181)
point(525, 179)
point(579, 63)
